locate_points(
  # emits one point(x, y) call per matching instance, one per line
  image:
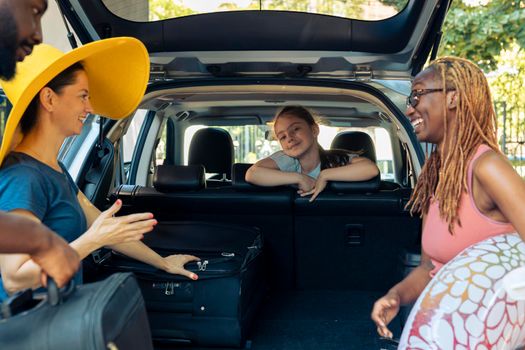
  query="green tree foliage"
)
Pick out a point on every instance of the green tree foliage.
point(162, 9)
point(492, 34)
point(397, 4)
point(481, 32)
point(508, 90)
point(510, 76)
point(343, 8)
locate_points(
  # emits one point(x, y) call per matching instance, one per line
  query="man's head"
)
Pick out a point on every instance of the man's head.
point(20, 31)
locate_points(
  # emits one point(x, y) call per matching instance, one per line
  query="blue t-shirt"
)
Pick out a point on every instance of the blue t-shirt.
point(292, 165)
point(28, 184)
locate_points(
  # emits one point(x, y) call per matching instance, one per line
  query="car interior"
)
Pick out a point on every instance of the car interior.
point(216, 82)
point(325, 262)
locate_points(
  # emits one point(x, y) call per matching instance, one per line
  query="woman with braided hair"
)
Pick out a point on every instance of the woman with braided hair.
point(467, 190)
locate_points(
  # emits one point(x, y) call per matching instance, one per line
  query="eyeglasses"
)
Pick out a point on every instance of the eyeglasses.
point(413, 98)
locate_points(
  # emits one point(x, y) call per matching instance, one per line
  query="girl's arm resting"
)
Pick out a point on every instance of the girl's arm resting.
point(360, 169)
point(266, 173)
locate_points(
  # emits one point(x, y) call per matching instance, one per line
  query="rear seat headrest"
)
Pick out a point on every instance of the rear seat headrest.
point(341, 156)
point(172, 178)
point(355, 141)
point(371, 185)
point(238, 177)
point(239, 182)
point(213, 148)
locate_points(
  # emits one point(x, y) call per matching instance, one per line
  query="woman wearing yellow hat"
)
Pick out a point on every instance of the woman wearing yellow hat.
point(52, 95)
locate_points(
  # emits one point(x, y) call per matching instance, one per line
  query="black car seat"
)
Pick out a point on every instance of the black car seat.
point(355, 141)
point(360, 142)
point(213, 148)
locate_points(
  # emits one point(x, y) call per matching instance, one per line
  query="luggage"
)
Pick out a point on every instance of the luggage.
point(109, 314)
point(218, 308)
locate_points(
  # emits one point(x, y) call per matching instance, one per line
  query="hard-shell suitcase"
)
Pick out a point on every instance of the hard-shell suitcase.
point(109, 314)
point(218, 308)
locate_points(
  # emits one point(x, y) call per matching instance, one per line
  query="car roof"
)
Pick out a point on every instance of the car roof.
point(274, 42)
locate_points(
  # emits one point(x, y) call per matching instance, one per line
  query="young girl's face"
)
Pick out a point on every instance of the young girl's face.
point(295, 135)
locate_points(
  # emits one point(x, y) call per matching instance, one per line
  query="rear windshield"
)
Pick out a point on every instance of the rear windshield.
point(253, 142)
point(154, 10)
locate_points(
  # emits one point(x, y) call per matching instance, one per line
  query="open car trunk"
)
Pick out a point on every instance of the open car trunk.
point(312, 320)
point(326, 262)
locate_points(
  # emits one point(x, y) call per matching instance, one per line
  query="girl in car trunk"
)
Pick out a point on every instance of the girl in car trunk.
point(303, 162)
point(52, 95)
point(467, 190)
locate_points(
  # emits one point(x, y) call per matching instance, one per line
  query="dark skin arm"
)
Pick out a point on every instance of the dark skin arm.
point(24, 236)
point(499, 192)
point(405, 292)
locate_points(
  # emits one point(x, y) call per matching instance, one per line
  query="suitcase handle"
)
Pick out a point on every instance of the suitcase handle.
point(55, 295)
point(24, 300)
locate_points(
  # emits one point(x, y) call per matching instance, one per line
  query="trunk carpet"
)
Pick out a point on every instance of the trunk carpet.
point(312, 320)
point(315, 320)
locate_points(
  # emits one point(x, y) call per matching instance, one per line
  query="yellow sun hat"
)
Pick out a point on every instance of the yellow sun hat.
point(117, 70)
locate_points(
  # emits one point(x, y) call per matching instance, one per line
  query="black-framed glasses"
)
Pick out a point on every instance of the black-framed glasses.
point(413, 98)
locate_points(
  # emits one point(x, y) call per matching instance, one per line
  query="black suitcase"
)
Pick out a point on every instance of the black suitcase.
point(218, 308)
point(109, 314)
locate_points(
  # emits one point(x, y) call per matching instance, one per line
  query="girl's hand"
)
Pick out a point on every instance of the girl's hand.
point(175, 264)
point(319, 186)
point(108, 230)
point(305, 184)
point(385, 309)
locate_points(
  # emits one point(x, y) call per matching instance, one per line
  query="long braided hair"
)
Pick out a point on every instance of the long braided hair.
point(444, 175)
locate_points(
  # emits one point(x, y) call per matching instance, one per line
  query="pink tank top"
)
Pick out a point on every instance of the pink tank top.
point(437, 241)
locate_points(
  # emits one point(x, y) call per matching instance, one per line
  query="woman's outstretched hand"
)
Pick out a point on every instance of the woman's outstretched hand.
point(385, 309)
point(108, 230)
point(175, 264)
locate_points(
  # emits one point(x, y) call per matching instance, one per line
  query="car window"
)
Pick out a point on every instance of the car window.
point(160, 150)
point(131, 138)
point(154, 10)
point(254, 142)
point(4, 112)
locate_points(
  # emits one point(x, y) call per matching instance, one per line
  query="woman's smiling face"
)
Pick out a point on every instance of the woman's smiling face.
point(73, 105)
point(428, 115)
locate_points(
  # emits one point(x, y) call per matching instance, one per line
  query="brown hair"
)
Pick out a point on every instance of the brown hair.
point(444, 175)
point(298, 111)
point(329, 159)
point(65, 78)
